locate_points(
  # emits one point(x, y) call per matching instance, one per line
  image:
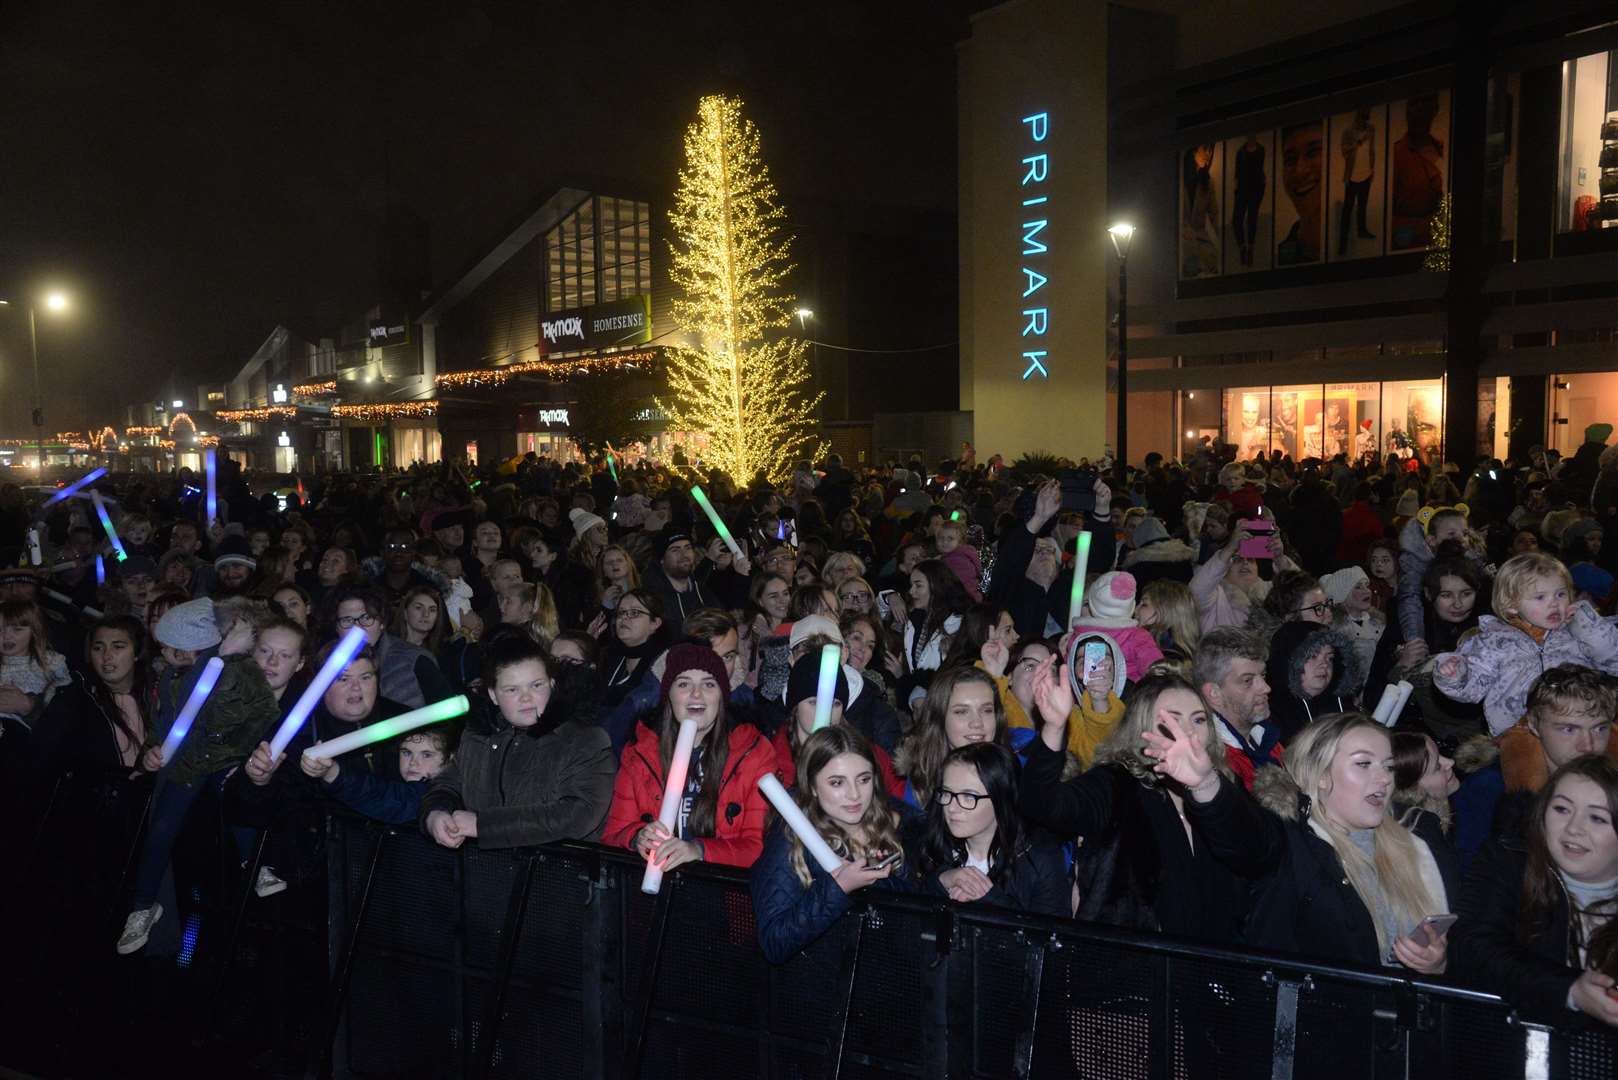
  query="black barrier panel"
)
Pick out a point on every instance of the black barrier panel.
point(533, 963)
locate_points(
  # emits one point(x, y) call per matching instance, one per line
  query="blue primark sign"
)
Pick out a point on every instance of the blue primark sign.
point(1036, 316)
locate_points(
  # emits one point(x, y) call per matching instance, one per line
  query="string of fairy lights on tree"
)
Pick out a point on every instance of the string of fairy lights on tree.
point(1437, 257)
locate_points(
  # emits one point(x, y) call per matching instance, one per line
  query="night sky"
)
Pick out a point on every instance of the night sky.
point(194, 174)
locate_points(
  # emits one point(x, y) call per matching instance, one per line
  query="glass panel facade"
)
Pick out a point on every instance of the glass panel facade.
point(600, 252)
point(1588, 188)
point(1322, 420)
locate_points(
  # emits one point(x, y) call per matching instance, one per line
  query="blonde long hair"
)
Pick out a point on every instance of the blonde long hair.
point(1394, 871)
point(1125, 745)
point(1176, 613)
point(880, 823)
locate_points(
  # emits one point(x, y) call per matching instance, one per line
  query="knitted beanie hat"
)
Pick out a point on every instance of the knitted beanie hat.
point(1339, 583)
point(1150, 530)
point(804, 682)
point(1112, 595)
point(583, 521)
point(691, 657)
point(189, 626)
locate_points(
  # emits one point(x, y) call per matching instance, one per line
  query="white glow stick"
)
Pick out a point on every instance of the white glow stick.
point(353, 641)
point(1405, 690)
point(384, 730)
point(813, 842)
point(193, 705)
point(679, 768)
point(831, 661)
point(1391, 703)
point(84, 481)
point(210, 461)
point(34, 555)
point(64, 598)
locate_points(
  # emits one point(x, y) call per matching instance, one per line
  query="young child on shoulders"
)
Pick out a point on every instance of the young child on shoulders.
point(1538, 627)
point(962, 558)
point(422, 756)
point(1109, 607)
point(30, 671)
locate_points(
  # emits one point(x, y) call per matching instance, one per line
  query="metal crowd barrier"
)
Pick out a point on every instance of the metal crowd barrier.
point(550, 962)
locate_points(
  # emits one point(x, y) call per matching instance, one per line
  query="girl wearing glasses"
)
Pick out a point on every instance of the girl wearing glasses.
point(637, 640)
point(976, 847)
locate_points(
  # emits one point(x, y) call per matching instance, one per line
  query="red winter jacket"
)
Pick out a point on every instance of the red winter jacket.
point(786, 769)
point(738, 837)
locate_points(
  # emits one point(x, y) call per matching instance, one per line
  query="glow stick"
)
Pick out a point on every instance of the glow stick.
point(831, 660)
point(34, 555)
point(353, 641)
point(63, 598)
point(1391, 703)
point(679, 768)
point(210, 463)
point(384, 730)
point(193, 705)
point(106, 523)
point(1081, 566)
point(101, 570)
point(612, 466)
point(719, 526)
point(63, 567)
point(813, 842)
point(1405, 690)
point(82, 482)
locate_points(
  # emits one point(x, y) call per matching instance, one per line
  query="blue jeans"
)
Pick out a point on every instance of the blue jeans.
point(171, 803)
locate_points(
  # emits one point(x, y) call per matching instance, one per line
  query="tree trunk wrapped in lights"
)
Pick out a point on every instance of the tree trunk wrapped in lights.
point(744, 382)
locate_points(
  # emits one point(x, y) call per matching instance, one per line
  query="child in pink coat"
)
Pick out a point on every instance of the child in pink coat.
point(962, 558)
point(1109, 607)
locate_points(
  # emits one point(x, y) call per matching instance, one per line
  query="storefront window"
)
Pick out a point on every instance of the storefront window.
point(1199, 414)
point(412, 444)
point(1247, 420)
point(1413, 415)
point(580, 271)
point(1589, 142)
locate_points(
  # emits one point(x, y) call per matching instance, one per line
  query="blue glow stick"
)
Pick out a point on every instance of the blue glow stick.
point(101, 570)
point(353, 641)
point(210, 461)
point(106, 523)
point(193, 705)
point(831, 661)
point(76, 486)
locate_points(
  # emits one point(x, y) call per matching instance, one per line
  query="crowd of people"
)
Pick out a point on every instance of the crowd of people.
point(1195, 749)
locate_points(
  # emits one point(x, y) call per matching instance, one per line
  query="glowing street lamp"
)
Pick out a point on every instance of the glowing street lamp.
point(56, 302)
point(1122, 234)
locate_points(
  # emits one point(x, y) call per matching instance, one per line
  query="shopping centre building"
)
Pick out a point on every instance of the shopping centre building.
point(1291, 181)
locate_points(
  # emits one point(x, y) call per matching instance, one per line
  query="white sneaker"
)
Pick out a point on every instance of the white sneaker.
point(137, 928)
point(268, 884)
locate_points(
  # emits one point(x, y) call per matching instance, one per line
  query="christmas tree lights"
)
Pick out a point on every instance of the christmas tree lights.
point(744, 384)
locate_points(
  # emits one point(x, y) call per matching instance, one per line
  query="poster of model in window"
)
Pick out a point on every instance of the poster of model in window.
point(1418, 133)
point(1358, 180)
point(1250, 203)
point(1201, 179)
point(1300, 216)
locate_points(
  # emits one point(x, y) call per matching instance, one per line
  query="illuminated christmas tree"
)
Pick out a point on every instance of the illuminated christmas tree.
point(1438, 228)
point(743, 381)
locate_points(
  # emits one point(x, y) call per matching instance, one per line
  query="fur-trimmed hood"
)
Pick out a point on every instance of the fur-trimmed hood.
point(1071, 649)
point(1293, 643)
point(1278, 793)
point(1162, 551)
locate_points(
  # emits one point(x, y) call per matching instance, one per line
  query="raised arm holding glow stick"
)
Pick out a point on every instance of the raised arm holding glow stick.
point(719, 525)
point(673, 790)
point(383, 730)
point(812, 841)
point(34, 555)
point(350, 645)
point(1081, 566)
point(76, 486)
point(210, 462)
point(193, 705)
point(106, 523)
point(831, 662)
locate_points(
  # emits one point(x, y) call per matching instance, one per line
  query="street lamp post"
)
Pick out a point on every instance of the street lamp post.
point(1121, 235)
point(53, 302)
point(804, 315)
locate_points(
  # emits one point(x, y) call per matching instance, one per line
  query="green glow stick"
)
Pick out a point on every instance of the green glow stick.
point(955, 515)
point(447, 709)
point(831, 661)
point(713, 516)
point(1081, 565)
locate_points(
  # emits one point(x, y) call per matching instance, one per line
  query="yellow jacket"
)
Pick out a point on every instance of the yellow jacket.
point(1086, 728)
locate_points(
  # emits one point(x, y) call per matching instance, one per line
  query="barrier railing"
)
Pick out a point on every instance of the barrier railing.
point(551, 962)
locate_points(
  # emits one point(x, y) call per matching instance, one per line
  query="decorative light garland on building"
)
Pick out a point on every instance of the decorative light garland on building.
point(385, 410)
point(589, 365)
point(315, 389)
point(138, 431)
point(176, 422)
point(258, 415)
point(107, 433)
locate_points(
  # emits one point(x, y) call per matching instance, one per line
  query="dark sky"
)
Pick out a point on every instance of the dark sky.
point(196, 173)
